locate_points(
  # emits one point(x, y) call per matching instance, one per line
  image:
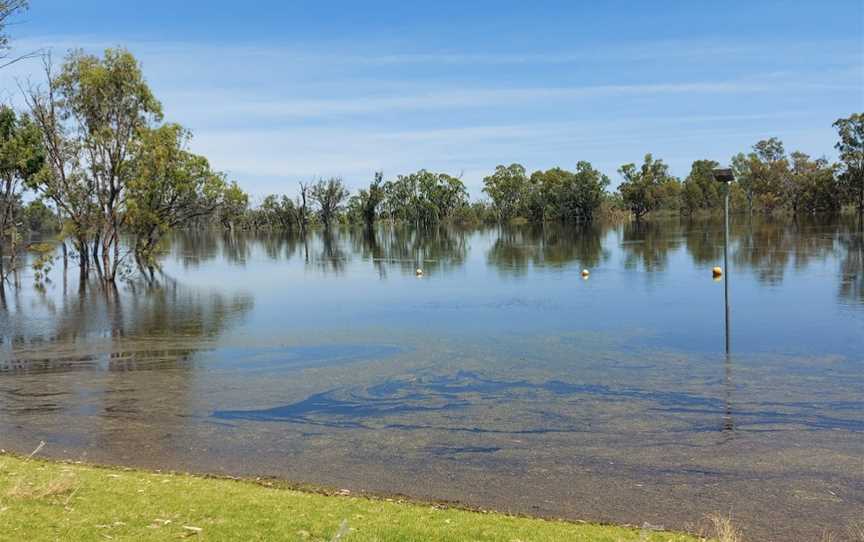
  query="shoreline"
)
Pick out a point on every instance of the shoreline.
point(45, 484)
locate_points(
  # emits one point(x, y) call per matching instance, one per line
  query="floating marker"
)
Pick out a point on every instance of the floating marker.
point(585, 273)
point(717, 271)
point(419, 272)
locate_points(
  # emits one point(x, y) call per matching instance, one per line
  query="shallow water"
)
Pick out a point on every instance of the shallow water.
point(501, 378)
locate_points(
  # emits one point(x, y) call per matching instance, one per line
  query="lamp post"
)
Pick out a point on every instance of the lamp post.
point(726, 176)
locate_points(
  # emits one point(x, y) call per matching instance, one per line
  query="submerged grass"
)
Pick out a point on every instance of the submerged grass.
point(43, 500)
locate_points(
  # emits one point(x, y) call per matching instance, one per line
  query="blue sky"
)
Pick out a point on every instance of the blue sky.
point(277, 92)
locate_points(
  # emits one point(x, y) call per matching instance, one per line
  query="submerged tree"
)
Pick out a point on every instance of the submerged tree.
point(570, 196)
point(92, 117)
point(851, 149)
point(364, 206)
point(508, 187)
point(330, 195)
point(700, 191)
point(21, 158)
point(645, 189)
point(170, 187)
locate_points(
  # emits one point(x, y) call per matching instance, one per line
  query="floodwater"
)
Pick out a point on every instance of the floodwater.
point(500, 378)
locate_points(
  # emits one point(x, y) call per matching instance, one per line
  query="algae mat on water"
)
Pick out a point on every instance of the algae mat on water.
point(42, 500)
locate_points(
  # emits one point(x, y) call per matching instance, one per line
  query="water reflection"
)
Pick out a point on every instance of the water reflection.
point(148, 318)
point(500, 379)
point(517, 250)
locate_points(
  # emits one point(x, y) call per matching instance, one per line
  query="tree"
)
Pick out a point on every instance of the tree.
point(21, 158)
point(91, 118)
point(330, 196)
point(812, 187)
point(38, 217)
point(62, 180)
point(700, 191)
point(365, 204)
point(643, 189)
point(851, 149)
point(424, 197)
point(169, 187)
point(234, 204)
point(568, 196)
point(508, 187)
point(279, 212)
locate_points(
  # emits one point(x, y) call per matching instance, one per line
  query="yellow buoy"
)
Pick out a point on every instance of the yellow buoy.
point(585, 273)
point(717, 272)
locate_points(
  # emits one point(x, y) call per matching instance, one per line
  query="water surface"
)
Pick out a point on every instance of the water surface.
point(501, 378)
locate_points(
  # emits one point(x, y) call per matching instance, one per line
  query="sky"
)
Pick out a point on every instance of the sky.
point(278, 91)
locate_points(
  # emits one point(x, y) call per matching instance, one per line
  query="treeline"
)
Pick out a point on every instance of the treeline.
point(768, 180)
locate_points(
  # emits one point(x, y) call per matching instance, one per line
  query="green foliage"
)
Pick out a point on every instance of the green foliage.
point(365, 205)
point(647, 188)
point(235, 202)
point(568, 196)
point(330, 196)
point(851, 149)
point(508, 187)
point(424, 197)
point(700, 191)
point(170, 187)
point(278, 213)
point(38, 217)
point(21, 158)
point(811, 187)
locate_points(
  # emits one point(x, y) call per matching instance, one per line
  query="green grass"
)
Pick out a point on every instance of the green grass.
point(43, 500)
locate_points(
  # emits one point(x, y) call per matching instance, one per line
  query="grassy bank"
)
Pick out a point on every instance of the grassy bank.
point(42, 500)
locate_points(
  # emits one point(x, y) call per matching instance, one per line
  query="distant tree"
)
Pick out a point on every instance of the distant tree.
point(851, 149)
point(303, 207)
point(571, 196)
point(811, 186)
point(364, 206)
point(21, 158)
point(330, 195)
point(424, 197)
point(508, 187)
point(644, 189)
point(38, 217)
point(279, 212)
point(700, 191)
point(235, 202)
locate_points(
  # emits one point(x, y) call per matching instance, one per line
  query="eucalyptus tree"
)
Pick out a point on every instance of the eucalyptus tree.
point(645, 188)
point(170, 187)
point(21, 158)
point(92, 117)
point(279, 212)
point(699, 190)
point(851, 149)
point(569, 196)
point(811, 185)
point(234, 204)
point(508, 188)
point(63, 179)
point(330, 195)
